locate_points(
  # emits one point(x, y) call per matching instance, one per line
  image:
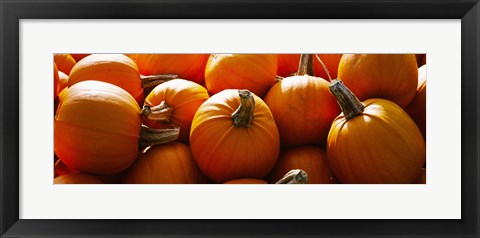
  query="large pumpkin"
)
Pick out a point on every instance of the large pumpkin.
point(374, 141)
point(64, 62)
point(311, 159)
point(170, 163)
point(116, 69)
point(417, 108)
point(234, 135)
point(186, 66)
point(97, 128)
point(254, 72)
point(174, 102)
point(303, 108)
point(388, 76)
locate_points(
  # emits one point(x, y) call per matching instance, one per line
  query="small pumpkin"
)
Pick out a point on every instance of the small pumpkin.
point(389, 76)
point(246, 181)
point(303, 107)
point(116, 69)
point(174, 102)
point(64, 62)
point(417, 109)
point(98, 129)
point(170, 163)
point(234, 135)
point(311, 159)
point(374, 141)
point(77, 178)
point(254, 72)
point(186, 66)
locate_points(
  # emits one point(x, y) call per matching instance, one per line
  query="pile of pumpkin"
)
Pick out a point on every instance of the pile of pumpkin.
point(239, 118)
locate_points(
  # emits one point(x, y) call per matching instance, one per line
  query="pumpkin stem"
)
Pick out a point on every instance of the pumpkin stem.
point(305, 65)
point(295, 176)
point(243, 116)
point(160, 113)
point(324, 67)
point(150, 136)
point(351, 106)
point(150, 81)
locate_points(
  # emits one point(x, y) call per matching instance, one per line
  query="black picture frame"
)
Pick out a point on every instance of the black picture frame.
point(12, 11)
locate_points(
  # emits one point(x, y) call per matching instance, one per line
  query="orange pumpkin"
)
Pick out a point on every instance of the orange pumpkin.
point(388, 76)
point(170, 163)
point(374, 141)
point(77, 178)
point(417, 109)
point(311, 159)
point(234, 135)
point(98, 129)
point(303, 108)
point(254, 72)
point(186, 66)
point(176, 102)
point(56, 79)
point(78, 57)
point(116, 69)
point(64, 62)
point(246, 181)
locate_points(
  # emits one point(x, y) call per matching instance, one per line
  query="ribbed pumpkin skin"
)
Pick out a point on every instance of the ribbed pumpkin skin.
point(64, 62)
point(96, 128)
point(184, 96)
point(170, 163)
point(224, 152)
point(186, 66)
point(417, 108)
point(382, 145)
point(288, 64)
point(303, 108)
point(77, 178)
point(388, 76)
point(246, 181)
point(311, 159)
point(255, 72)
point(116, 69)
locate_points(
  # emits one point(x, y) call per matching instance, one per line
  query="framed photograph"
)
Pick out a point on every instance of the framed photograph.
point(429, 187)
